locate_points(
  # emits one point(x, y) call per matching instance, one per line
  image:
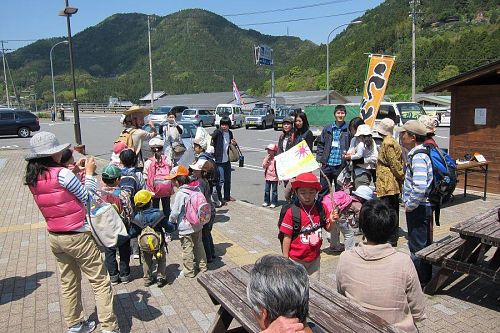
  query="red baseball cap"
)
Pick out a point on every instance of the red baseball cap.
point(306, 180)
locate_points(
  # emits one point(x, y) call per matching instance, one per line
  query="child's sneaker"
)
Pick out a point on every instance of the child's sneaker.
point(125, 279)
point(86, 326)
point(265, 204)
point(149, 282)
point(161, 282)
point(272, 206)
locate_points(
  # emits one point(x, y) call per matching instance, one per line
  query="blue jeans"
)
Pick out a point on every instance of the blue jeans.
point(271, 189)
point(332, 172)
point(224, 180)
point(419, 222)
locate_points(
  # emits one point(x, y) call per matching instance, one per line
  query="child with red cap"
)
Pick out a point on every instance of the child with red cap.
point(271, 189)
point(303, 222)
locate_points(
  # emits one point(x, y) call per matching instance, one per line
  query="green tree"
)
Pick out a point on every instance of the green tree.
point(447, 72)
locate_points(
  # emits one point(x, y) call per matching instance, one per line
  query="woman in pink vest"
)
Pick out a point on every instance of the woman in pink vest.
point(61, 198)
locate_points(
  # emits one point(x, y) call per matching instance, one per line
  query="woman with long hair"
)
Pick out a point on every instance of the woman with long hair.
point(302, 131)
point(61, 198)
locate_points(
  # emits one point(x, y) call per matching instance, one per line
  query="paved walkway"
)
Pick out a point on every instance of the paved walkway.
point(29, 288)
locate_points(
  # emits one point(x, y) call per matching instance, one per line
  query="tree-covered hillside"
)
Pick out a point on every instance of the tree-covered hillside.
point(453, 36)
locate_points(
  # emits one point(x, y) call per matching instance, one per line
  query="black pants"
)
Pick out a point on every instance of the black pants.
point(419, 222)
point(112, 264)
point(332, 172)
point(392, 201)
point(165, 205)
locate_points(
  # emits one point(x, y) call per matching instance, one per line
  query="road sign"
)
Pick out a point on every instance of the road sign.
point(263, 55)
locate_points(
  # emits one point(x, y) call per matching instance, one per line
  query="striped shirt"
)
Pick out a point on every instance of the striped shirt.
point(68, 180)
point(418, 179)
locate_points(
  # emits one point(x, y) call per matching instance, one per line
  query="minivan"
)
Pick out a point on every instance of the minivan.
point(198, 117)
point(159, 114)
point(232, 111)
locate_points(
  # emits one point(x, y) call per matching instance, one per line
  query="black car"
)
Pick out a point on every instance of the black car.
point(20, 122)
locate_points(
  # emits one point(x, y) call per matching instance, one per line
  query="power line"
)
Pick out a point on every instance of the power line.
point(301, 19)
point(287, 9)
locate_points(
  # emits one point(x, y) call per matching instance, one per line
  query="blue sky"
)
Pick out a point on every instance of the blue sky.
point(36, 19)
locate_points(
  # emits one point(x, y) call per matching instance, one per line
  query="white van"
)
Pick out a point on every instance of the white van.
point(232, 111)
point(400, 112)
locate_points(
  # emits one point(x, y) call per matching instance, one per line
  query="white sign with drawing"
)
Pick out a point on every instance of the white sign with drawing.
point(480, 116)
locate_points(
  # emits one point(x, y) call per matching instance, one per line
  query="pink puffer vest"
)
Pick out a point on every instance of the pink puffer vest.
point(61, 209)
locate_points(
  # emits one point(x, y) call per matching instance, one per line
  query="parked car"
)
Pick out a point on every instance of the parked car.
point(198, 117)
point(17, 121)
point(159, 114)
point(232, 111)
point(260, 117)
point(281, 114)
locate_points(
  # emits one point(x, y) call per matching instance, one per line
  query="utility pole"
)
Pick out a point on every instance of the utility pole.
point(150, 65)
point(413, 4)
point(5, 77)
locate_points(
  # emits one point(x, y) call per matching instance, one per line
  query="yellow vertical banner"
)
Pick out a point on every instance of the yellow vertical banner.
point(377, 76)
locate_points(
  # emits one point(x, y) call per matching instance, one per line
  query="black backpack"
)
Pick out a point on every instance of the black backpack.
point(296, 219)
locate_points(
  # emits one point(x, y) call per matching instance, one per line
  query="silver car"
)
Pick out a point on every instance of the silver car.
point(198, 117)
point(260, 117)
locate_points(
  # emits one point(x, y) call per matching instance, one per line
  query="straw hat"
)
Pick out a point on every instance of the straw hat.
point(44, 144)
point(137, 109)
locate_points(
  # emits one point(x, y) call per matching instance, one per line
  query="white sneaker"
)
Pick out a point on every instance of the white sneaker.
point(265, 204)
point(86, 326)
point(136, 256)
point(272, 206)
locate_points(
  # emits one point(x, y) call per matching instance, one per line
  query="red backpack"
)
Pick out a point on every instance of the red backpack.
point(156, 181)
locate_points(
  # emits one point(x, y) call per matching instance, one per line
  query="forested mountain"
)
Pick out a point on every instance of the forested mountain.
point(453, 36)
point(192, 50)
point(198, 51)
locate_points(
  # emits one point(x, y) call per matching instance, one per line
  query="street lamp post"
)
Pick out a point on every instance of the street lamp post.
point(68, 11)
point(328, 58)
point(52, 71)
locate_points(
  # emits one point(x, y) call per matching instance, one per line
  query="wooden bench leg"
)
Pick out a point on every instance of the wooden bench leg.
point(221, 321)
point(437, 281)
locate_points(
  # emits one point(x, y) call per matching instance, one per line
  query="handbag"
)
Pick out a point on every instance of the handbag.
point(234, 154)
point(105, 223)
point(178, 148)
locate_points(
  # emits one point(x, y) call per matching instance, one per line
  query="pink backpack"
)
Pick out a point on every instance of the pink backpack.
point(198, 210)
point(156, 181)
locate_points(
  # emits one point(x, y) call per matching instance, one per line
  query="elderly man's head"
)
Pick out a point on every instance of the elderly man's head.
point(278, 287)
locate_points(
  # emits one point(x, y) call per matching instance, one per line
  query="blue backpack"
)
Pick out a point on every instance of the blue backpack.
point(444, 171)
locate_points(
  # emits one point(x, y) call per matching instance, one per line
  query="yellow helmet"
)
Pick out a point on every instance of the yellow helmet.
point(143, 197)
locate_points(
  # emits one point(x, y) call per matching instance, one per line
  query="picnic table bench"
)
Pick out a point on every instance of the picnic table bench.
point(465, 250)
point(328, 310)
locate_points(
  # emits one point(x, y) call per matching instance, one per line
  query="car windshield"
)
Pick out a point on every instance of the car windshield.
point(258, 112)
point(189, 130)
point(410, 111)
point(189, 112)
point(161, 110)
point(223, 110)
point(284, 112)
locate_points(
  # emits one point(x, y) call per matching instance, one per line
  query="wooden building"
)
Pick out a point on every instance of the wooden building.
point(475, 118)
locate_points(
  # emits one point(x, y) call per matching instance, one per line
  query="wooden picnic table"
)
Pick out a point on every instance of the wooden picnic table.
point(465, 252)
point(328, 310)
point(473, 167)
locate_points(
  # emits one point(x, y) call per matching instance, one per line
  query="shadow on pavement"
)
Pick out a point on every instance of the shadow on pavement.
point(460, 199)
point(473, 290)
point(17, 287)
point(137, 306)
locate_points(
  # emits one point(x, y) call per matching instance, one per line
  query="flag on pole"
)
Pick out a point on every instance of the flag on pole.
point(377, 76)
point(296, 160)
point(237, 95)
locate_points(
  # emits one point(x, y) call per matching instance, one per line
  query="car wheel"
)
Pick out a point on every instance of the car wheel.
point(200, 124)
point(24, 132)
point(263, 125)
